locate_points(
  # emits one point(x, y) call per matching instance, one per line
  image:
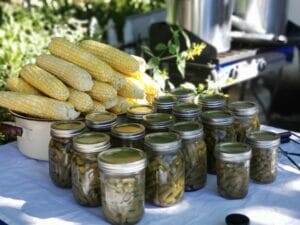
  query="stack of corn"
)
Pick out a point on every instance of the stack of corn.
point(74, 79)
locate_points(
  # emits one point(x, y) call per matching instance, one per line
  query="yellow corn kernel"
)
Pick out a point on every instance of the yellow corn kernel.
point(73, 53)
point(118, 59)
point(17, 84)
point(132, 89)
point(44, 82)
point(121, 107)
point(69, 73)
point(102, 92)
point(80, 100)
point(97, 107)
point(110, 103)
point(38, 106)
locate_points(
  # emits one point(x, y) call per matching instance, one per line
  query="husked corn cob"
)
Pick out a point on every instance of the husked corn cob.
point(45, 82)
point(118, 59)
point(80, 100)
point(102, 91)
point(73, 53)
point(69, 73)
point(149, 84)
point(135, 101)
point(38, 106)
point(132, 89)
point(150, 98)
point(97, 107)
point(119, 80)
point(17, 84)
point(110, 103)
point(121, 107)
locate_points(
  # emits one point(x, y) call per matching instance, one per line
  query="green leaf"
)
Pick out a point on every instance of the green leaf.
point(186, 38)
point(173, 48)
point(154, 62)
point(160, 47)
point(147, 50)
point(181, 63)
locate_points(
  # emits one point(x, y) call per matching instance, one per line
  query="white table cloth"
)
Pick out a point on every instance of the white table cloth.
point(27, 196)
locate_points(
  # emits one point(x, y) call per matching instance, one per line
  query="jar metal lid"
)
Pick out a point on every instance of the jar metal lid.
point(158, 120)
point(217, 117)
point(91, 142)
point(132, 131)
point(165, 101)
point(233, 151)
point(138, 111)
point(188, 129)
point(263, 139)
point(212, 101)
point(122, 160)
point(243, 108)
point(183, 94)
point(101, 120)
point(185, 109)
point(67, 128)
point(163, 141)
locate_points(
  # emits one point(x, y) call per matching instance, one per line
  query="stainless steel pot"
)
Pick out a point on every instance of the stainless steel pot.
point(209, 19)
point(264, 16)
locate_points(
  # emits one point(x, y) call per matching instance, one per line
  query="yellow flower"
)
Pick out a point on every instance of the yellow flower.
point(190, 55)
point(196, 50)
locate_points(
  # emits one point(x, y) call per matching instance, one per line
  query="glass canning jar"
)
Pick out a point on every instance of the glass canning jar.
point(157, 122)
point(165, 169)
point(211, 102)
point(233, 161)
point(218, 128)
point(263, 166)
point(60, 151)
point(164, 103)
point(85, 173)
point(245, 118)
point(128, 135)
point(122, 178)
point(101, 121)
point(184, 95)
point(186, 112)
point(135, 113)
point(194, 152)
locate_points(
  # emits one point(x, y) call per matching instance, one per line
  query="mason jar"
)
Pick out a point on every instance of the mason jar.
point(85, 173)
point(194, 152)
point(263, 166)
point(233, 162)
point(212, 102)
point(184, 95)
point(218, 128)
point(165, 169)
point(157, 122)
point(128, 135)
point(60, 151)
point(135, 113)
point(245, 118)
point(101, 121)
point(122, 178)
point(186, 112)
point(164, 103)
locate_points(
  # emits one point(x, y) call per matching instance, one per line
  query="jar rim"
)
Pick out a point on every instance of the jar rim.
point(163, 141)
point(188, 129)
point(212, 101)
point(233, 151)
point(90, 142)
point(138, 111)
point(67, 128)
point(182, 92)
point(217, 117)
point(263, 139)
point(243, 108)
point(122, 160)
point(165, 100)
point(186, 109)
point(101, 120)
point(119, 130)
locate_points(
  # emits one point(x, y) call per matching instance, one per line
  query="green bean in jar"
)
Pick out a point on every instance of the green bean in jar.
point(60, 152)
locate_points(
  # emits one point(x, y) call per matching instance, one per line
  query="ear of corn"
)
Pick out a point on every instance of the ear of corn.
point(135, 101)
point(38, 106)
point(132, 89)
point(73, 53)
point(102, 91)
point(97, 107)
point(45, 82)
point(119, 81)
point(119, 60)
point(110, 103)
point(150, 86)
point(80, 100)
point(17, 84)
point(121, 107)
point(69, 73)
